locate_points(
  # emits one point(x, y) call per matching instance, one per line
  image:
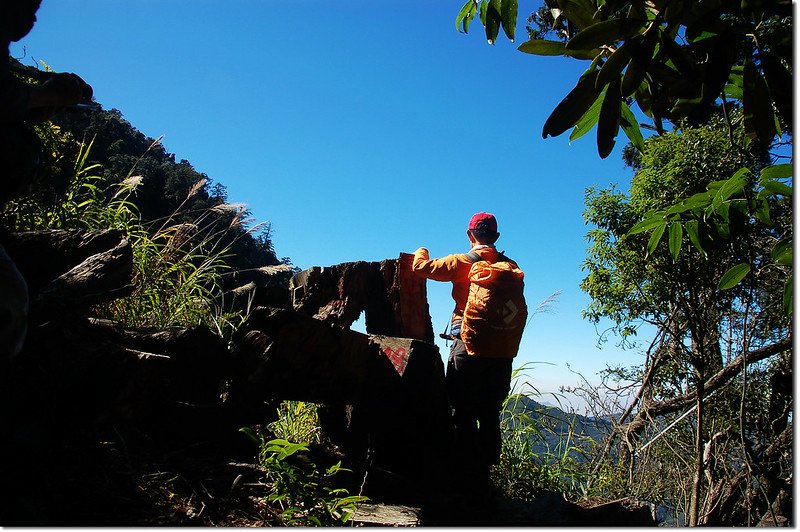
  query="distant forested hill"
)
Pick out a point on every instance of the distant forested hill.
point(553, 424)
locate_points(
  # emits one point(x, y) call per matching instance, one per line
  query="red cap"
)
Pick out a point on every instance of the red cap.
point(483, 221)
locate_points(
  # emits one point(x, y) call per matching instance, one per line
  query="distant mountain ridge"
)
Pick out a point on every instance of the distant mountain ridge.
point(555, 425)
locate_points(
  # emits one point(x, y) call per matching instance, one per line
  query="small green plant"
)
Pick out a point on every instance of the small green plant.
point(297, 421)
point(303, 493)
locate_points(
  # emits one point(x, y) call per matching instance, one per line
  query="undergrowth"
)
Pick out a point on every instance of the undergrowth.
point(177, 266)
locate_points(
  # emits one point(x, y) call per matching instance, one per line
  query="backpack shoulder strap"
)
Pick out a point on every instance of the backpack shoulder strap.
point(473, 256)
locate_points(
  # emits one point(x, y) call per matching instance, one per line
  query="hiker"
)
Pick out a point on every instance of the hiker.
point(20, 150)
point(479, 367)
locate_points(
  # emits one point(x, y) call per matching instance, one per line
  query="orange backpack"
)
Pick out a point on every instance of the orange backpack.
point(496, 312)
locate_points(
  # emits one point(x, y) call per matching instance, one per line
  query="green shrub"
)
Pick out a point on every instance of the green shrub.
point(304, 494)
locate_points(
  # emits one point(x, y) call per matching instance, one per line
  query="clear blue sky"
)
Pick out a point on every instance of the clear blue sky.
point(359, 130)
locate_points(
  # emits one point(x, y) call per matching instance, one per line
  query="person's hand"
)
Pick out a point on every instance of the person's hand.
point(64, 89)
point(59, 91)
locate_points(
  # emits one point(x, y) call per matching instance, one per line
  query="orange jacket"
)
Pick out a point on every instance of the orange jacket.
point(452, 268)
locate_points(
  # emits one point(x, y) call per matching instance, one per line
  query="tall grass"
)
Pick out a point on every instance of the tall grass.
point(297, 422)
point(177, 267)
point(539, 452)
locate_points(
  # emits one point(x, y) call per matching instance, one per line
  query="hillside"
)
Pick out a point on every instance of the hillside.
point(556, 426)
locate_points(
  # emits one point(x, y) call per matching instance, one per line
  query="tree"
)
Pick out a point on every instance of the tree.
point(711, 339)
point(675, 59)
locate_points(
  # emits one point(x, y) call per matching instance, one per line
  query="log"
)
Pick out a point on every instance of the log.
point(41, 256)
point(101, 277)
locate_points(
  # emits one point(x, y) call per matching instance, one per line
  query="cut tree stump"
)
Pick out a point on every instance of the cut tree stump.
point(392, 298)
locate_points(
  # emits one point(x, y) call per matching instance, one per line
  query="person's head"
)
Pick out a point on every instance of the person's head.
point(17, 18)
point(482, 229)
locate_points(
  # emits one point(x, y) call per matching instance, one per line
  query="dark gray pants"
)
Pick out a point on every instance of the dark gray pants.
point(476, 389)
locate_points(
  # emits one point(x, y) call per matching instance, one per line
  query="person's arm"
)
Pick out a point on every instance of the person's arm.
point(20, 100)
point(444, 269)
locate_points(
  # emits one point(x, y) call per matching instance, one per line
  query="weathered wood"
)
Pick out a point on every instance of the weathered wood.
point(392, 298)
point(100, 277)
point(41, 256)
point(386, 515)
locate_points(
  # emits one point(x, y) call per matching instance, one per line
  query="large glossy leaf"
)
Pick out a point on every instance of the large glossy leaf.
point(734, 276)
point(572, 107)
point(631, 127)
point(493, 20)
point(616, 63)
point(655, 237)
point(759, 117)
point(508, 15)
point(692, 230)
point(465, 16)
point(731, 186)
point(776, 188)
point(779, 81)
point(579, 12)
point(776, 171)
point(608, 123)
point(648, 223)
point(675, 238)
point(676, 53)
point(588, 120)
point(782, 252)
point(640, 60)
point(607, 32)
point(632, 78)
point(542, 47)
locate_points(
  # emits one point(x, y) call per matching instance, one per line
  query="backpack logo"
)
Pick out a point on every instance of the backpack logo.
point(509, 311)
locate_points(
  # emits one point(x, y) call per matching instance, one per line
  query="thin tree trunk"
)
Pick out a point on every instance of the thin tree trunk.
point(694, 506)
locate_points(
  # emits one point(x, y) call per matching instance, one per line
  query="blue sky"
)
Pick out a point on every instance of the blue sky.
point(360, 130)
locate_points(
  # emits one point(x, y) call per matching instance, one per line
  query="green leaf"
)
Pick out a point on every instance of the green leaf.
point(782, 253)
point(675, 238)
point(655, 238)
point(734, 91)
point(579, 12)
point(734, 185)
point(734, 276)
point(678, 55)
point(605, 33)
point(633, 77)
point(588, 120)
point(761, 211)
point(572, 107)
point(759, 117)
point(493, 20)
point(465, 16)
point(694, 235)
point(608, 123)
point(647, 224)
point(250, 433)
point(631, 127)
point(616, 63)
point(508, 14)
point(484, 8)
point(777, 171)
point(542, 47)
point(776, 188)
